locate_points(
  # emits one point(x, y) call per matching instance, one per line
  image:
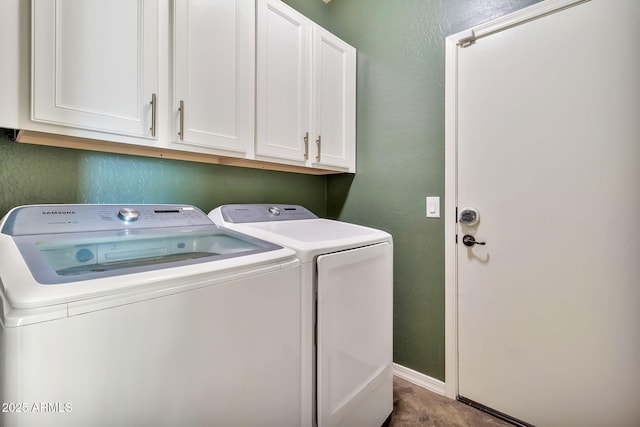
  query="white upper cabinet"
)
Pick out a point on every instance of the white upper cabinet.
point(214, 74)
point(334, 100)
point(95, 65)
point(305, 91)
point(243, 80)
point(283, 82)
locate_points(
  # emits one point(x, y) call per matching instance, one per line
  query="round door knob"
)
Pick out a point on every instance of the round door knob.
point(128, 214)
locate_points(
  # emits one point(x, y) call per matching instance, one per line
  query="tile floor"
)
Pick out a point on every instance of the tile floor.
point(414, 406)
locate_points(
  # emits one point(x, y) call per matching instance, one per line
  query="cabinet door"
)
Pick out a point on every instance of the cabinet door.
point(214, 65)
point(283, 65)
point(334, 100)
point(95, 64)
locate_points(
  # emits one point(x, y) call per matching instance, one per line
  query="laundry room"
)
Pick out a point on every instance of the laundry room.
point(394, 94)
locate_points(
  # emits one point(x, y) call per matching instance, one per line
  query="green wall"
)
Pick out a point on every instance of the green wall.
point(32, 174)
point(316, 10)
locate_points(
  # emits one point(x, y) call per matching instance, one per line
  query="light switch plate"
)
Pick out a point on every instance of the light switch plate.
point(433, 207)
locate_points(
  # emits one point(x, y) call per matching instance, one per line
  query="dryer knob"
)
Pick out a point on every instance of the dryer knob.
point(128, 214)
point(273, 210)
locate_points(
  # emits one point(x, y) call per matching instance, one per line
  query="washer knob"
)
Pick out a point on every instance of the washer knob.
point(273, 210)
point(128, 214)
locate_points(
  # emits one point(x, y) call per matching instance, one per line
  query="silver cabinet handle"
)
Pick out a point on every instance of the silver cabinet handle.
point(153, 115)
point(306, 146)
point(318, 143)
point(181, 110)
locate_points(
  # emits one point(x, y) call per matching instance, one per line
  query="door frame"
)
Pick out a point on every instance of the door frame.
point(452, 43)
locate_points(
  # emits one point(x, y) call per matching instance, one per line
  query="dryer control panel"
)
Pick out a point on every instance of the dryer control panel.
point(238, 214)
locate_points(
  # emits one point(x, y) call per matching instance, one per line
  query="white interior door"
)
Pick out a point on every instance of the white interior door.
point(549, 154)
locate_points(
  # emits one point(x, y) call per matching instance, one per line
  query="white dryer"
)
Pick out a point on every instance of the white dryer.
point(145, 315)
point(347, 280)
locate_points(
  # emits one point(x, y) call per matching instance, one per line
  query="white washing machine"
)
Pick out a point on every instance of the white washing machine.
point(347, 280)
point(145, 315)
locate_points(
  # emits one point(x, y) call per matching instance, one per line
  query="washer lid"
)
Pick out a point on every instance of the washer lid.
point(70, 243)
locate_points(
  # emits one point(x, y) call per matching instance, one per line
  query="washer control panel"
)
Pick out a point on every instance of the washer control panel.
point(50, 219)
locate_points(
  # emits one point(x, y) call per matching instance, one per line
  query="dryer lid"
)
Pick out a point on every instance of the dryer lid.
point(297, 228)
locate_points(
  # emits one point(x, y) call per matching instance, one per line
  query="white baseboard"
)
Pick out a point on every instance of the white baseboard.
point(419, 379)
